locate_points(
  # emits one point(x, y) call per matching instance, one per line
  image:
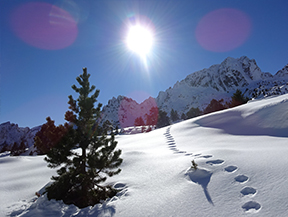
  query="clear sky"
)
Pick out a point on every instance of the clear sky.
point(45, 44)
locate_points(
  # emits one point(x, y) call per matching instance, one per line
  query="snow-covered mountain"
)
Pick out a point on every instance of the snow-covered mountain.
point(219, 81)
point(123, 111)
point(11, 133)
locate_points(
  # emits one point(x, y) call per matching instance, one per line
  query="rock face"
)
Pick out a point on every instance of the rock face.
point(219, 81)
point(123, 111)
point(11, 133)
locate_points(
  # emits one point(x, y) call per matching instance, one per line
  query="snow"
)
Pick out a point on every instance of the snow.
point(219, 81)
point(241, 155)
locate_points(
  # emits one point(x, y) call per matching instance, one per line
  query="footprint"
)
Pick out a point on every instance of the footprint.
point(251, 205)
point(170, 140)
point(207, 156)
point(119, 185)
point(248, 190)
point(241, 178)
point(174, 149)
point(230, 169)
point(211, 162)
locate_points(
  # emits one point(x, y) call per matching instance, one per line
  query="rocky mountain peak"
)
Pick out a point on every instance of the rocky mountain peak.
point(283, 73)
point(11, 133)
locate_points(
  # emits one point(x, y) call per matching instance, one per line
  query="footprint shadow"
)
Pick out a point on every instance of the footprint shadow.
point(201, 177)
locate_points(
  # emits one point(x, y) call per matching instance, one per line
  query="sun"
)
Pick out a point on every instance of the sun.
point(139, 40)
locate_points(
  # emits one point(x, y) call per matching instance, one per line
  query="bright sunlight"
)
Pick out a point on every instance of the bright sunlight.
point(139, 40)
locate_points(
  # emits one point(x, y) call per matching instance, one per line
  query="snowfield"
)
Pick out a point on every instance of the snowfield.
point(241, 155)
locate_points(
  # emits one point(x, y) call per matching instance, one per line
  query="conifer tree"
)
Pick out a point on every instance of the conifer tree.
point(152, 117)
point(238, 99)
point(84, 169)
point(163, 119)
point(14, 149)
point(174, 115)
point(193, 112)
point(48, 136)
point(139, 122)
point(183, 116)
point(214, 105)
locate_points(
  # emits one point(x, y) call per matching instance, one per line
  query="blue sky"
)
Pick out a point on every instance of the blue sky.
point(37, 74)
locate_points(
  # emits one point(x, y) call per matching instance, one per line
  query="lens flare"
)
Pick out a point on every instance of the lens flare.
point(140, 36)
point(139, 40)
point(223, 30)
point(44, 26)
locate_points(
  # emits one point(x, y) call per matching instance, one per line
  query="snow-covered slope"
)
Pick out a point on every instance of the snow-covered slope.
point(242, 169)
point(219, 81)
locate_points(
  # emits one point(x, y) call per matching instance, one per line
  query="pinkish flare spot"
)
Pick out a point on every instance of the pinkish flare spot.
point(44, 26)
point(223, 30)
point(129, 110)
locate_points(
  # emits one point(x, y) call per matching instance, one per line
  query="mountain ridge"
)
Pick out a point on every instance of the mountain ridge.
point(197, 89)
point(11, 133)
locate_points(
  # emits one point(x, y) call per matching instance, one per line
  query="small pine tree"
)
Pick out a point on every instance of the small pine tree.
point(163, 119)
point(194, 165)
point(14, 149)
point(139, 122)
point(193, 112)
point(183, 116)
point(107, 126)
point(152, 117)
point(17, 149)
point(82, 172)
point(4, 148)
point(239, 99)
point(174, 115)
point(116, 130)
point(214, 105)
point(48, 136)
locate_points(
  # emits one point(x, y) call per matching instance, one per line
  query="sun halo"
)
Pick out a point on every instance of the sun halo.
point(139, 40)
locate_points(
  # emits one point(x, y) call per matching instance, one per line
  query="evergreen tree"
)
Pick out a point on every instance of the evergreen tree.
point(4, 148)
point(48, 136)
point(83, 170)
point(152, 117)
point(17, 149)
point(116, 130)
point(139, 122)
point(193, 112)
point(239, 99)
point(14, 149)
point(183, 116)
point(163, 119)
point(107, 126)
point(214, 105)
point(174, 115)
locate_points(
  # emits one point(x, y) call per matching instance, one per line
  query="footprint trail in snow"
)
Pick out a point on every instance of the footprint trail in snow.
point(171, 143)
point(203, 176)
